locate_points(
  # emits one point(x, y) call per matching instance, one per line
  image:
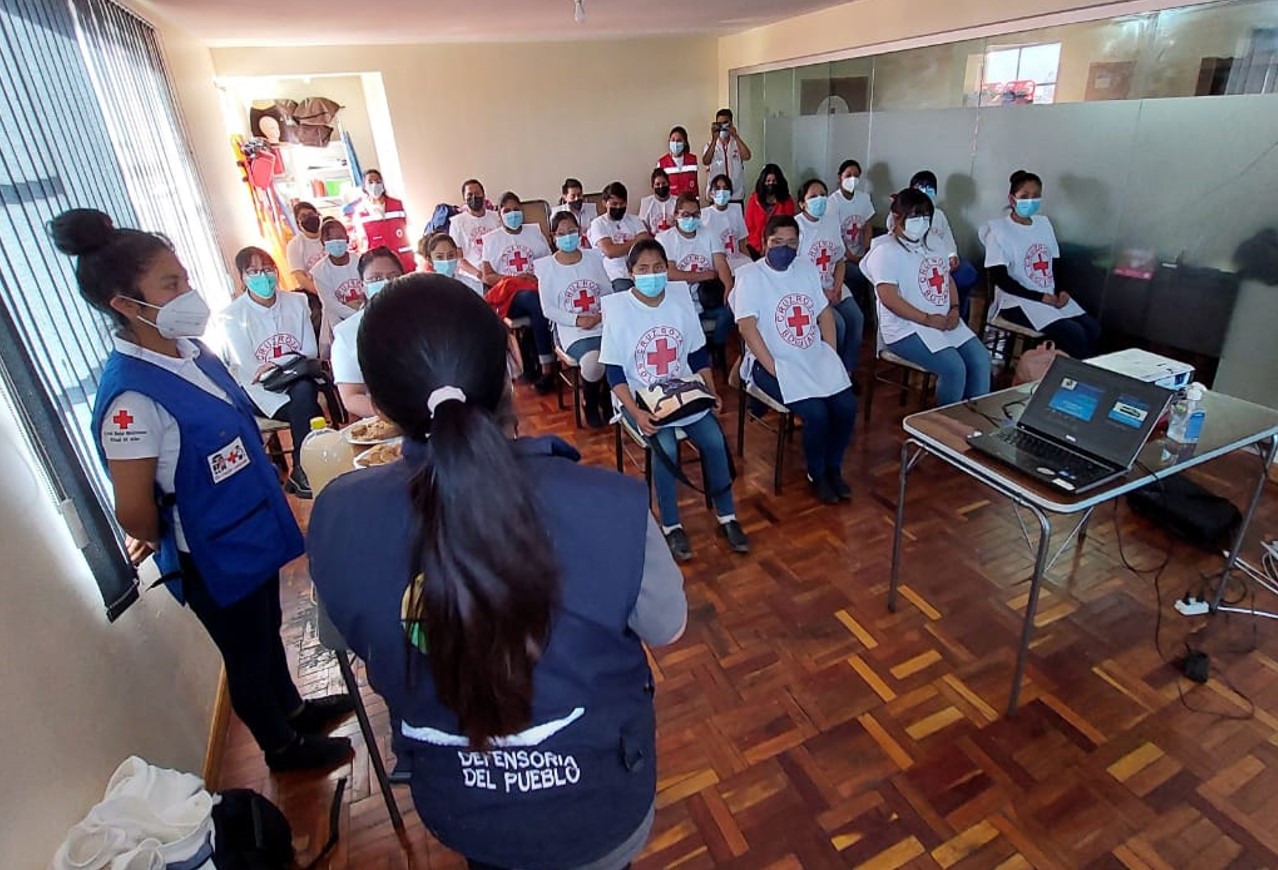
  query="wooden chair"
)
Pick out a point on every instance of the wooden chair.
point(623, 425)
point(884, 357)
point(514, 351)
point(537, 211)
point(570, 375)
point(785, 426)
point(1004, 338)
point(270, 430)
point(597, 200)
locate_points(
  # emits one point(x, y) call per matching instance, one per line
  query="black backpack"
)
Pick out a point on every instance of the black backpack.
point(252, 833)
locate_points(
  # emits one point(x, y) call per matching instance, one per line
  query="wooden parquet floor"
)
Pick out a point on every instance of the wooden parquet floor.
point(802, 725)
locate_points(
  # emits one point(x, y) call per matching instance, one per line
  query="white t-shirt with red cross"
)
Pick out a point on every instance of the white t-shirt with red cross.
point(651, 344)
point(921, 275)
point(656, 215)
point(786, 306)
point(728, 226)
point(303, 252)
point(568, 292)
point(940, 236)
point(259, 334)
point(694, 254)
point(340, 290)
point(821, 241)
point(619, 232)
point(853, 215)
point(1027, 252)
point(513, 254)
point(468, 232)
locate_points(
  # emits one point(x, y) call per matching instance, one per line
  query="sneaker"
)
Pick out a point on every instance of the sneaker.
point(839, 485)
point(680, 546)
point(823, 491)
point(737, 540)
point(322, 715)
point(297, 484)
point(311, 753)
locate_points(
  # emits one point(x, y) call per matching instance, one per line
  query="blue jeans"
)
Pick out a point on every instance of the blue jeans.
point(583, 346)
point(827, 424)
point(1077, 336)
point(962, 372)
point(849, 329)
point(707, 435)
point(528, 304)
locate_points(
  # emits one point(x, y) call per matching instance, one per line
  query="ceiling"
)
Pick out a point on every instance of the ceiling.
point(334, 22)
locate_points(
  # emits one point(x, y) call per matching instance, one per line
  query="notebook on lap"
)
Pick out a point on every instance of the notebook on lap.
point(1082, 427)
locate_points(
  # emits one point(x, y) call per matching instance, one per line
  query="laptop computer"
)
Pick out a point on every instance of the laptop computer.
point(1082, 427)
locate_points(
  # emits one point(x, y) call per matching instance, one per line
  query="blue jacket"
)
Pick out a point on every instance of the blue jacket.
point(237, 524)
point(581, 780)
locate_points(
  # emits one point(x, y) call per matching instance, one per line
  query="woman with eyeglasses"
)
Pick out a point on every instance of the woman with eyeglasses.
point(266, 328)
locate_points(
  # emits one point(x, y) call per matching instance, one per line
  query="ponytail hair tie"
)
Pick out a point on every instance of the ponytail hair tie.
point(442, 395)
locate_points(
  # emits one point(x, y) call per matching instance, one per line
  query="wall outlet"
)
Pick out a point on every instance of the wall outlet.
point(1191, 606)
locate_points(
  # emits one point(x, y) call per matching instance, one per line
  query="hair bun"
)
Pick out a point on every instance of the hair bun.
point(1017, 176)
point(81, 231)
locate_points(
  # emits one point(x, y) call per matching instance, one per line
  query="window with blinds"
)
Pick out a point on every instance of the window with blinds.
point(87, 119)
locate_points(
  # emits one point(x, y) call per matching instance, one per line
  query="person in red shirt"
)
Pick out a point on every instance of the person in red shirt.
point(382, 220)
point(771, 197)
point(680, 166)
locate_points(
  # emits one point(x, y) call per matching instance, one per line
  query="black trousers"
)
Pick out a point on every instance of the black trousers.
point(247, 633)
point(302, 405)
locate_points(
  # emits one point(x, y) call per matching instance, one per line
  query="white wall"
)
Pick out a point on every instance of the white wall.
point(81, 695)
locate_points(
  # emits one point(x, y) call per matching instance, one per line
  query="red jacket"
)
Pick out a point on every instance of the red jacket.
point(389, 229)
point(683, 175)
point(756, 218)
point(501, 294)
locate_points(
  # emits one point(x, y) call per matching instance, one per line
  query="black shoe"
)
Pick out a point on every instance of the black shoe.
point(593, 418)
point(311, 753)
point(737, 540)
point(544, 385)
point(822, 490)
point(590, 404)
point(680, 546)
point(605, 402)
point(839, 485)
point(322, 715)
point(297, 483)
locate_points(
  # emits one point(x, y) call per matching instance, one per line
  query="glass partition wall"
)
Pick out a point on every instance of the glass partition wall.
point(1156, 136)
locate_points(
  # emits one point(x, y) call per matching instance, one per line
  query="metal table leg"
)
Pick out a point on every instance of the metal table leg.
point(1031, 607)
point(908, 461)
point(1269, 448)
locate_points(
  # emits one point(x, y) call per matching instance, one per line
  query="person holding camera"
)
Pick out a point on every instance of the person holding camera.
point(725, 154)
point(264, 330)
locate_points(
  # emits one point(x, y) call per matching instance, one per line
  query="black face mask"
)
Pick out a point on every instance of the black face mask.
point(475, 203)
point(770, 189)
point(310, 223)
point(617, 213)
point(575, 206)
point(661, 192)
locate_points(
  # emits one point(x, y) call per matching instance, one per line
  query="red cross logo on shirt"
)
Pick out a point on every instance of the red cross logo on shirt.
point(661, 357)
point(933, 280)
point(584, 301)
point(798, 320)
point(1038, 266)
point(823, 260)
point(729, 243)
point(518, 260)
point(937, 280)
point(1041, 265)
point(123, 419)
point(277, 351)
point(791, 319)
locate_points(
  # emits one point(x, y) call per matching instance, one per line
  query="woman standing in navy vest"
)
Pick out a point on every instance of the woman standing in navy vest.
point(500, 595)
point(191, 481)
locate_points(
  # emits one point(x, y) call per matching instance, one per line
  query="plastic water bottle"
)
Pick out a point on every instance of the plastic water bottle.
point(325, 455)
point(1187, 416)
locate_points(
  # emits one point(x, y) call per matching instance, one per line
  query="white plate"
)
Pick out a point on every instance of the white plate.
point(361, 459)
point(363, 442)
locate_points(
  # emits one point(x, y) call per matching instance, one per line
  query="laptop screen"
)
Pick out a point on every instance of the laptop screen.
point(1097, 411)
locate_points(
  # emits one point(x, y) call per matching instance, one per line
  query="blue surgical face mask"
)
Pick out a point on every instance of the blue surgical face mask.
point(676, 147)
point(262, 285)
point(652, 284)
point(372, 288)
point(722, 197)
point(781, 257)
point(1028, 207)
point(447, 268)
point(930, 191)
point(336, 247)
point(568, 244)
point(817, 205)
point(513, 219)
point(689, 224)
point(916, 228)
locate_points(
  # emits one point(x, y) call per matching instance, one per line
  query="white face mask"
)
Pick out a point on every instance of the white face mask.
point(376, 189)
point(184, 316)
point(916, 228)
point(849, 184)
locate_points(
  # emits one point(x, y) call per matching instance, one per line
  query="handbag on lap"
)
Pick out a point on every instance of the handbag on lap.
point(676, 399)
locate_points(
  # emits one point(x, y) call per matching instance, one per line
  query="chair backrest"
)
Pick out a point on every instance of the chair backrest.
point(538, 211)
point(597, 200)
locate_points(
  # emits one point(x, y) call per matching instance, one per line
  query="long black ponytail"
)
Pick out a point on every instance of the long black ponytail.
point(434, 357)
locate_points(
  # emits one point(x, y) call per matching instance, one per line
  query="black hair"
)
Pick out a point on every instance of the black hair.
point(1020, 178)
point(332, 221)
point(727, 112)
point(507, 197)
point(777, 222)
point(246, 255)
point(909, 203)
point(559, 217)
point(470, 181)
point(366, 259)
point(645, 246)
point(569, 184)
point(301, 204)
point(783, 186)
point(678, 129)
point(721, 177)
point(807, 185)
point(658, 173)
point(690, 197)
point(849, 164)
point(618, 190)
point(925, 177)
point(486, 611)
point(377, 172)
point(109, 261)
point(426, 244)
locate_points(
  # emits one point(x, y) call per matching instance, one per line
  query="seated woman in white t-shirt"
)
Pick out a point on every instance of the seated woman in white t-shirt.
point(918, 306)
point(614, 233)
point(572, 198)
point(336, 281)
point(572, 284)
point(650, 335)
point(697, 259)
point(439, 253)
point(787, 325)
point(377, 268)
point(941, 237)
point(1021, 257)
point(657, 210)
point(725, 219)
point(265, 328)
point(821, 241)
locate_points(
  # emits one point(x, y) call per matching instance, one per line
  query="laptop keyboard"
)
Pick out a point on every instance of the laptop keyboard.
point(1069, 465)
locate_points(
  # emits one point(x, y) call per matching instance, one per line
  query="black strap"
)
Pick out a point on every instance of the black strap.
point(334, 825)
point(674, 468)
